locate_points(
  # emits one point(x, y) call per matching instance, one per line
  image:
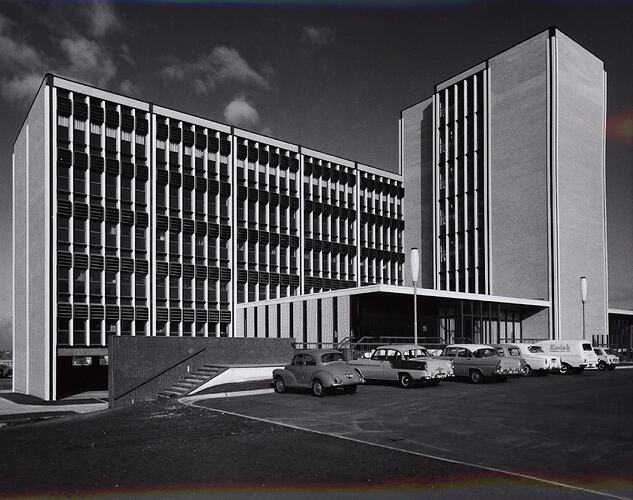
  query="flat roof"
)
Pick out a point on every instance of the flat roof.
point(404, 290)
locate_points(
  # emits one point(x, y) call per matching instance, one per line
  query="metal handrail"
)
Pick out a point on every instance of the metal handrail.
point(159, 374)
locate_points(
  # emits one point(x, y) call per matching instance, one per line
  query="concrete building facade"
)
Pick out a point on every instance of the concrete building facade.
point(505, 173)
point(135, 219)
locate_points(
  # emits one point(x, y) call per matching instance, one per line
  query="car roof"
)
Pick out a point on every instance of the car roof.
point(400, 347)
point(504, 345)
point(472, 346)
point(316, 352)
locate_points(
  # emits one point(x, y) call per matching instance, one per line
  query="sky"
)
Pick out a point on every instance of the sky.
point(328, 75)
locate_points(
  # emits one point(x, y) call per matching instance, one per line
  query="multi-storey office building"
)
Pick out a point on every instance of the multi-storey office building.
point(505, 173)
point(140, 220)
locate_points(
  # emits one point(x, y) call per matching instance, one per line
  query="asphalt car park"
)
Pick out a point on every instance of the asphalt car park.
point(574, 429)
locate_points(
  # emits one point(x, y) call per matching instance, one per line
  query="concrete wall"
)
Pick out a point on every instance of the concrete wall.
point(165, 360)
point(518, 159)
point(581, 189)
point(32, 191)
point(417, 169)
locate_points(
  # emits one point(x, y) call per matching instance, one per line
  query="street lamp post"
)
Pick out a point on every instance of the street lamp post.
point(415, 269)
point(583, 299)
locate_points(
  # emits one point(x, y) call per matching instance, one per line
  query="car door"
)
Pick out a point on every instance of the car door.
point(373, 366)
point(388, 371)
point(463, 362)
point(309, 369)
point(296, 367)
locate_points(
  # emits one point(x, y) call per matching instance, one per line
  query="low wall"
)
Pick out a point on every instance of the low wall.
point(140, 367)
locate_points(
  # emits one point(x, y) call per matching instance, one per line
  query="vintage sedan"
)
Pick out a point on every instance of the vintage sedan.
point(536, 360)
point(405, 363)
point(480, 361)
point(317, 370)
point(512, 350)
point(606, 359)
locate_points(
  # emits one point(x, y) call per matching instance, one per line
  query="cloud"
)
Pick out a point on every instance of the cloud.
point(222, 64)
point(89, 62)
point(321, 37)
point(20, 88)
point(129, 88)
point(241, 113)
point(102, 18)
point(15, 53)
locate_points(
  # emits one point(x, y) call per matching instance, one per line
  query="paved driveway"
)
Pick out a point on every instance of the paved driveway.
point(576, 430)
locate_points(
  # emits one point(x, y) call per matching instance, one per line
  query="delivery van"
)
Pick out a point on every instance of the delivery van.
point(575, 355)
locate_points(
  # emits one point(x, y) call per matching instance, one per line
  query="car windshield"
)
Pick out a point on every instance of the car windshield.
point(534, 349)
point(415, 353)
point(586, 347)
point(485, 352)
point(608, 351)
point(597, 351)
point(514, 351)
point(331, 357)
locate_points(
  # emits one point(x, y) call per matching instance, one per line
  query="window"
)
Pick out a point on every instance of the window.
point(140, 192)
point(79, 184)
point(62, 229)
point(62, 178)
point(79, 282)
point(95, 183)
point(126, 190)
point(140, 286)
point(95, 282)
point(126, 284)
point(110, 285)
point(111, 189)
point(126, 237)
point(79, 232)
point(309, 359)
point(111, 235)
point(140, 239)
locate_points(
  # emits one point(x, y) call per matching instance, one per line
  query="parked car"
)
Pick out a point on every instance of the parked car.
point(606, 359)
point(5, 371)
point(406, 363)
point(575, 355)
point(480, 361)
point(537, 361)
point(511, 350)
point(317, 370)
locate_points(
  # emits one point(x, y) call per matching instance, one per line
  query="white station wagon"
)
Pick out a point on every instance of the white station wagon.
point(536, 360)
point(405, 363)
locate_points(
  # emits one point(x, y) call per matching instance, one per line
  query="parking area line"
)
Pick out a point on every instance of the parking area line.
point(410, 452)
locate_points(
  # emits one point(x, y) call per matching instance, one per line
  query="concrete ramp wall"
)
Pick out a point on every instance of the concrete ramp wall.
point(140, 367)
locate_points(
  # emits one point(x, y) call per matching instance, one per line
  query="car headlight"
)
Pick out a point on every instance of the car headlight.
point(337, 380)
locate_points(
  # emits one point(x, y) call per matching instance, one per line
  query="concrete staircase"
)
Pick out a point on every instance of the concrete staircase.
point(191, 382)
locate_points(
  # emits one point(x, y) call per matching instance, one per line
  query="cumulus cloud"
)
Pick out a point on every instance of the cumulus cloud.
point(83, 54)
point(319, 36)
point(130, 88)
point(88, 61)
point(222, 64)
point(25, 65)
point(102, 18)
point(241, 113)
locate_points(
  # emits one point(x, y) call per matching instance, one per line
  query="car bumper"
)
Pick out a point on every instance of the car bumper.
point(437, 375)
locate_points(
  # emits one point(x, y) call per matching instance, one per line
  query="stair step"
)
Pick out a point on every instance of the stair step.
point(185, 385)
point(207, 370)
point(170, 393)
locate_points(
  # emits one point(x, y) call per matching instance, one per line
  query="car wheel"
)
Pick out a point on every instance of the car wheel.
point(280, 386)
point(317, 388)
point(475, 376)
point(433, 382)
point(565, 369)
point(602, 366)
point(350, 389)
point(528, 371)
point(405, 380)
